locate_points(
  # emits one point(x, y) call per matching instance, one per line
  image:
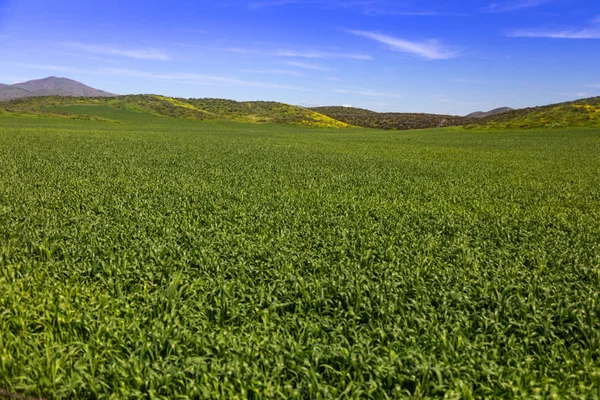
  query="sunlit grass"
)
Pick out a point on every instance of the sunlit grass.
point(167, 258)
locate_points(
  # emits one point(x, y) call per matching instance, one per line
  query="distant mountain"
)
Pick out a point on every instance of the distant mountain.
point(399, 121)
point(483, 114)
point(51, 86)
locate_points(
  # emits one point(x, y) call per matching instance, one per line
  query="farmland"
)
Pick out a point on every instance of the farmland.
point(171, 258)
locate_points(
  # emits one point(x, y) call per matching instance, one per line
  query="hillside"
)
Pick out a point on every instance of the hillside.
point(399, 121)
point(483, 114)
point(195, 109)
point(51, 86)
point(64, 97)
point(265, 111)
point(580, 113)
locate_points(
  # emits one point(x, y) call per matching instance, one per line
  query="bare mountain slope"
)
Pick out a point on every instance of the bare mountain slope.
point(51, 86)
point(496, 111)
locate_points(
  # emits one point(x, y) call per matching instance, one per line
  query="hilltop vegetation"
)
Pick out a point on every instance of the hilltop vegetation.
point(196, 109)
point(265, 111)
point(57, 97)
point(166, 258)
point(399, 121)
point(580, 113)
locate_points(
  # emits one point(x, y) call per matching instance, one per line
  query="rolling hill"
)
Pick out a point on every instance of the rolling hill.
point(51, 86)
point(399, 121)
point(62, 97)
point(579, 113)
point(194, 109)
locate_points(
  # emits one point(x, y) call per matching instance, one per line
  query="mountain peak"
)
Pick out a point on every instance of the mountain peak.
point(50, 86)
point(496, 111)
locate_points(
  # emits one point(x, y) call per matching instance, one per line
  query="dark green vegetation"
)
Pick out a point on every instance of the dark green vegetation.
point(580, 113)
point(196, 109)
point(51, 86)
point(169, 258)
point(398, 121)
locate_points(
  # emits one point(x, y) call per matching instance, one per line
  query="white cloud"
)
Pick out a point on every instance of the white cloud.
point(313, 67)
point(272, 3)
point(192, 78)
point(582, 94)
point(47, 67)
point(374, 93)
point(514, 6)
point(431, 49)
point(367, 7)
point(200, 31)
point(367, 92)
point(272, 72)
point(314, 54)
point(347, 105)
point(404, 13)
point(142, 54)
point(178, 77)
point(440, 98)
point(558, 34)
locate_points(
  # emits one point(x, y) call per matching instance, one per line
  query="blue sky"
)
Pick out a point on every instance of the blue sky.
point(404, 55)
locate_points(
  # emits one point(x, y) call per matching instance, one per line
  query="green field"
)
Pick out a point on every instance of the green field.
point(166, 258)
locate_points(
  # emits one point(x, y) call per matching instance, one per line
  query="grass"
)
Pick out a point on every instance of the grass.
point(166, 258)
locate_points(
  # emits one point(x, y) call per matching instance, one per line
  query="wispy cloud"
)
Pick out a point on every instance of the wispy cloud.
point(199, 31)
point(375, 93)
point(431, 49)
point(142, 54)
point(3, 36)
point(367, 7)
point(471, 81)
point(272, 72)
point(274, 3)
point(197, 79)
point(596, 20)
point(178, 77)
point(593, 86)
point(586, 33)
point(46, 67)
point(313, 67)
point(367, 92)
point(513, 6)
point(400, 13)
point(314, 54)
point(440, 98)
